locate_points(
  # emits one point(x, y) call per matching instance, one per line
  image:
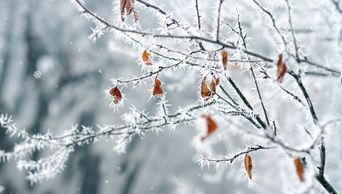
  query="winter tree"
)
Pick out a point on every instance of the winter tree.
point(258, 81)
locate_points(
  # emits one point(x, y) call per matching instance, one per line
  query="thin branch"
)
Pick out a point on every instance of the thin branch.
point(320, 176)
point(291, 28)
point(198, 15)
point(159, 10)
point(243, 37)
point(218, 21)
point(238, 91)
point(325, 184)
point(173, 20)
point(273, 21)
point(231, 159)
point(239, 112)
point(336, 3)
point(332, 71)
point(260, 98)
point(245, 101)
point(241, 32)
point(306, 95)
point(322, 155)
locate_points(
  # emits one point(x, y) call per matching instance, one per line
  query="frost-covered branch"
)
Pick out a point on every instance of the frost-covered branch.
point(204, 161)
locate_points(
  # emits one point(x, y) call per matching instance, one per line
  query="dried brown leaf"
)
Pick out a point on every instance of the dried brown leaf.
point(299, 168)
point(224, 59)
point(115, 92)
point(136, 15)
point(212, 87)
point(281, 68)
point(205, 91)
point(146, 58)
point(211, 125)
point(122, 9)
point(128, 5)
point(157, 89)
point(248, 165)
point(217, 81)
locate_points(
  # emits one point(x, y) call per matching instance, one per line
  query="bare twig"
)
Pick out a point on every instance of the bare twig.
point(198, 15)
point(291, 28)
point(336, 3)
point(306, 95)
point(245, 101)
point(320, 176)
point(218, 21)
point(260, 98)
point(332, 71)
point(273, 21)
point(243, 37)
point(231, 159)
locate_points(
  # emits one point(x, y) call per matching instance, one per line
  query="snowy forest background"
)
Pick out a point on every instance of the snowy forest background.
point(53, 76)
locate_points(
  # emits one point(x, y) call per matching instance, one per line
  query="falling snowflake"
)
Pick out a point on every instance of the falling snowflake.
point(37, 74)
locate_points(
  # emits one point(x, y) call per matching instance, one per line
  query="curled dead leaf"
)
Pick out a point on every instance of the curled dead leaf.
point(248, 165)
point(281, 68)
point(128, 5)
point(209, 92)
point(211, 125)
point(146, 58)
point(299, 168)
point(205, 92)
point(115, 92)
point(224, 59)
point(157, 89)
point(136, 15)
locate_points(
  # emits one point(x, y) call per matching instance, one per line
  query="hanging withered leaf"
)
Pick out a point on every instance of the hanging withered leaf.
point(299, 168)
point(248, 165)
point(224, 59)
point(281, 68)
point(205, 92)
point(157, 89)
point(146, 58)
point(209, 92)
point(211, 125)
point(129, 6)
point(115, 92)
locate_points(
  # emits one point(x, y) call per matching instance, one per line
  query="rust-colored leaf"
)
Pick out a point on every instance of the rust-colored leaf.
point(205, 92)
point(300, 169)
point(281, 68)
point(128, 5)
point(248, 165)
point(122, 9)
point(209, 92)
point(212, 87)
point(146, 58)
point(224, 59)
point(115, 92)
point(211, 125)
point(217, 81)
point(157, 89)
point(136, 15)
